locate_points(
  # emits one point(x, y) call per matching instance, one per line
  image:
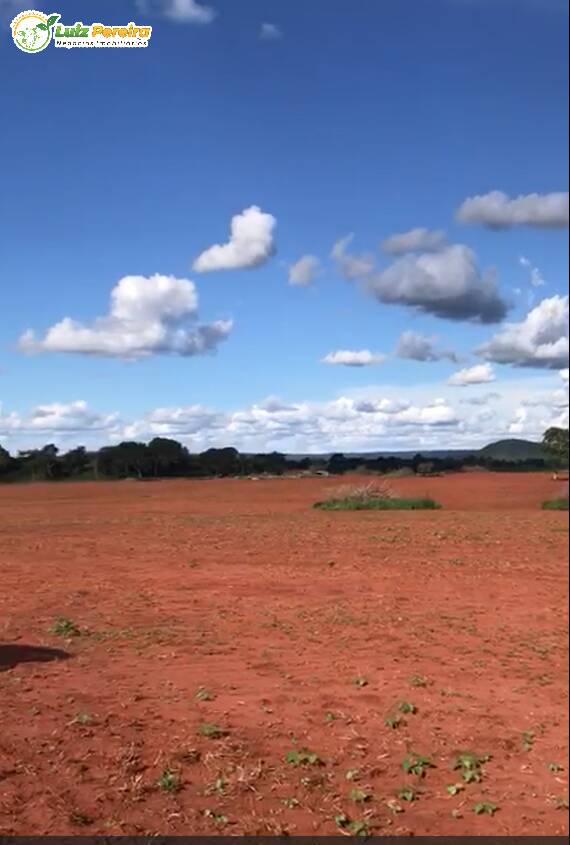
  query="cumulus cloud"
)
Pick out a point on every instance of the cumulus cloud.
point(270, 32)
point(498, 211)
point(535, 276)
point(564, 375)
point(251, 243)
point(416, 240)
point(540, 340)
point(364, 418)
point(417, 347)
point(180, 11)
point(147, 316)
point(304, 271)
point(57, 419)
point(447, 284)
point(353, 358)
point(479, 374)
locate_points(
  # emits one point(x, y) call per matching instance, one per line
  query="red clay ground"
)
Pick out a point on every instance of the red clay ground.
point(239, 588)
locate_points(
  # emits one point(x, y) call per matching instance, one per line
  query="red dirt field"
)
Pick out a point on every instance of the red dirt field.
point(235, 604)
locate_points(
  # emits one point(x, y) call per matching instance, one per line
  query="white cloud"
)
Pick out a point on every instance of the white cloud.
point(498, 211)
point(564, 375)
point(353, 358)
point(270, 32)
point(416, 240)
point(417, 347)
point(479, 374)
point(148, 316)
point(251, 243)
point(370, 418)
point(304, 271)
point(540, 340)
point(180, 11)
point(351, 266)
point(58, 420)
point(536, 278)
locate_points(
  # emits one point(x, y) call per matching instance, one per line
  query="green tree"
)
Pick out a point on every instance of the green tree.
point(555, 443)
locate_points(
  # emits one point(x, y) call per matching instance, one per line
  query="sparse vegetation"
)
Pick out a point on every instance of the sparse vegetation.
point(560, 504)
point(485, 808)
point(63, 627)
point(169, 781)
point(372, 497)
point(212, 731)
point(303, 757)
point(416, 764)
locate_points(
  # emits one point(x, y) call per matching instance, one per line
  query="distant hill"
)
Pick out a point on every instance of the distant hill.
point(512, 450)
point(503, 450)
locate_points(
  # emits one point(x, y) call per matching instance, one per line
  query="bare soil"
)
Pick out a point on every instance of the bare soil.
point(234, 604)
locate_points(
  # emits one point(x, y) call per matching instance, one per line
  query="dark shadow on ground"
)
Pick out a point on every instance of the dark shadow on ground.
point(11, 655)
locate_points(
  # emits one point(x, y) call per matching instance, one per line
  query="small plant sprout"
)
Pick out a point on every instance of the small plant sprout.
point(394, 806)
point(415, 764)
point(168, 781)
point(406, 707)
point(485, 808)
point(359, 796)
point(454, 788)
point(63, 627)
point(360, 682)
point(555, 767)
point(418, 681)
point(407, 793)
point(352, 774)
point(470, 765)
point(356, 827)
point(202, 694)
point(394, 720)
point(212, 731)
point(303, 757)
point(527, 740)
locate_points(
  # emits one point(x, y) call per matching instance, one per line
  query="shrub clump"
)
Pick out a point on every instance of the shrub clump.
point(372, 497)
point(555, 504)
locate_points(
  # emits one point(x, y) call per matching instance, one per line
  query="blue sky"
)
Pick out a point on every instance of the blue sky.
point(372, 118)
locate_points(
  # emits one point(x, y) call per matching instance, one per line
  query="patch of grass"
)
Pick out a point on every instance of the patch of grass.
point(485, 808)
point(303, 757)
point(555, 504)
point(416, 764)
point(169, 781)
point(420, 503)
point(212, 731)
point(406, 707)
point(63, 627)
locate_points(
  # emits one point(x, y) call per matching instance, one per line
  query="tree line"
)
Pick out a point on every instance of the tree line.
point(167, 458)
